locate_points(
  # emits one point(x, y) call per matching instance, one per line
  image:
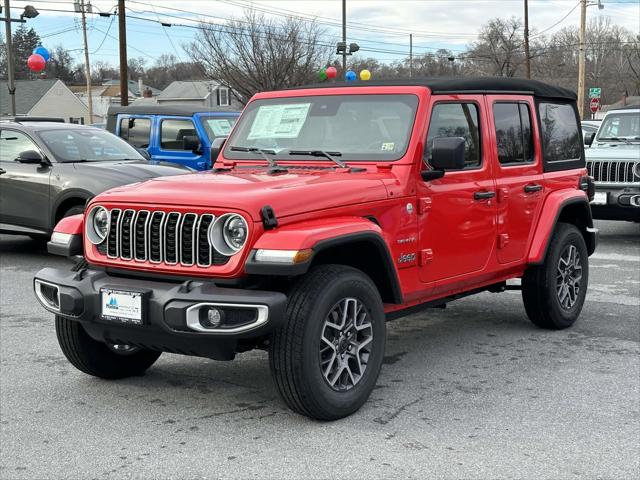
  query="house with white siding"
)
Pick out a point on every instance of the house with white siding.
point(44, 98)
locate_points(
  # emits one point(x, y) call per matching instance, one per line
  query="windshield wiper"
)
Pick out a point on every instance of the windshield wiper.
point(273, 166)
point(321, 153)
point(614, 139)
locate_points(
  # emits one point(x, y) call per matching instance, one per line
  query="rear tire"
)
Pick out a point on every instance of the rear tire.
point(75, 210)
point(97, 358)
point(326, 358)
point(554, 292)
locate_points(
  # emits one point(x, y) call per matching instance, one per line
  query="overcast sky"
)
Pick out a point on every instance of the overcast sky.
point(380, 27)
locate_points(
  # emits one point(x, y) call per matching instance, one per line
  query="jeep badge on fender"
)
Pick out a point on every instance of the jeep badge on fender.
point(194, 265)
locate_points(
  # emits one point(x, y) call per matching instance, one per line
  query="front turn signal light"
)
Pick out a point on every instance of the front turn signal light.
point(285, 257)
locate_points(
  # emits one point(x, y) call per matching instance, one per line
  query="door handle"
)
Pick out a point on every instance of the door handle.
point(483, 195)
point(2, 170)
point(532, 187)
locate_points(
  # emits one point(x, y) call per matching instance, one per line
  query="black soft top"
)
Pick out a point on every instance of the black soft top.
point(442, 85)
point(155, 109)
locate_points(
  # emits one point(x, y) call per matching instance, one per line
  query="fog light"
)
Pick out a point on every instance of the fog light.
point(212, 317)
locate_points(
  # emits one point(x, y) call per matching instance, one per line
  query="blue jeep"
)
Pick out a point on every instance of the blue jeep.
point(181, 134)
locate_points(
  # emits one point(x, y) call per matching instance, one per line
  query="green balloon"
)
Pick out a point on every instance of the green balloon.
point(322, 74)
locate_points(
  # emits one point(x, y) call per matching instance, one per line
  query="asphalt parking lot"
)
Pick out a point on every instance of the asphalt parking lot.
point(472, 391)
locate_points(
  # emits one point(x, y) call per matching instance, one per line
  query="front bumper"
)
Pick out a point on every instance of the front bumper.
point(623, 203)
point(168, 311)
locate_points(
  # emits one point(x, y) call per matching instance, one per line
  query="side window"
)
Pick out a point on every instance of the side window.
point(136, 131)
point(513, 133)
point(13, 143)
point(456, 120)
point(223, 97)
point(560, 132)
point(172, 133)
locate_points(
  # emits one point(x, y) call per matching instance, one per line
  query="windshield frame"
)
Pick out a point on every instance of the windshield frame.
point(283, 156)
point(52, 154)
point(600, 137)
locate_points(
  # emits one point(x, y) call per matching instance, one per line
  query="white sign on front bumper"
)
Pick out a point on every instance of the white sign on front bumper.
point(600, 198)
point(122, 306)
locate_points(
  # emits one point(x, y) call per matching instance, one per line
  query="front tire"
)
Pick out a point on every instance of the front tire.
point(554, 292)
point(326, 358)
point(97, 358)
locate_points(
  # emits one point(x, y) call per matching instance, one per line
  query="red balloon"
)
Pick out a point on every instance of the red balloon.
point(331, 72)
point(36, 63)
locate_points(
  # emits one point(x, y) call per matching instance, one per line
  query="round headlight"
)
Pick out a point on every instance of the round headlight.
point(229, 233)
point(97, 225)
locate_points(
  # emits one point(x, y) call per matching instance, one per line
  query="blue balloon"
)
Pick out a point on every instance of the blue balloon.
point(350, 76)
point(43, 52)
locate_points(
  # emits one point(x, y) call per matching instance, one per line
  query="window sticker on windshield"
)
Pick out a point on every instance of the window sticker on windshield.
point(388, 146)
point(280, 121)
point(221, 127)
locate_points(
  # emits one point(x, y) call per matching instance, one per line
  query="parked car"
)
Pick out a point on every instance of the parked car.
point(589, 127)
point(49, 170)
point(330, 211)
point(613, 160)
point(179, 134)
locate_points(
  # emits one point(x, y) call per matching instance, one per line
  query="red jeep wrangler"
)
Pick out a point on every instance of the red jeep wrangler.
point(332, 209)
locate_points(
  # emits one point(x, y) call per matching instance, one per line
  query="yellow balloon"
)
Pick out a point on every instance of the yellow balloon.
point(365, 75)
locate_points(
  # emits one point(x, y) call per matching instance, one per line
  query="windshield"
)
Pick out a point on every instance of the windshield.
point(355, 127)
point(620, 126)
point(87, 144)
point(218, 126)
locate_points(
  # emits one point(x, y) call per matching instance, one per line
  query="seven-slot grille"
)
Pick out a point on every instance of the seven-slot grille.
point(161, 237)
point(614, 172)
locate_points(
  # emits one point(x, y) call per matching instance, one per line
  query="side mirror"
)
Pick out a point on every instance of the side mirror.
point(588, 140)
point(30, 156)
point(144, 152)
point(448, 153)
point(216, 147)
point(191, 142)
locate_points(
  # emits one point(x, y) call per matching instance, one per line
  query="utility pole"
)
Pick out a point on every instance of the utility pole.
point(581, 57)
point(11, 84)
point(526, 38)
point(344, 35)
point(87, 65)
point(410, 55)
point(122, 37)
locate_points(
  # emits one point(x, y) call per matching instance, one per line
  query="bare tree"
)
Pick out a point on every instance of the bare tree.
point(257, 53)
point(499, 48)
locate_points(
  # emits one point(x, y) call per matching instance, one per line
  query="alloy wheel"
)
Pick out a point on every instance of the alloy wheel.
point(569, 277)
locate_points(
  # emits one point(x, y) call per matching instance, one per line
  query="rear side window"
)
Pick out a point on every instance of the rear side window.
point(560, 134)
point(513, 133)
point(136, 131)
point(172, 133)
point(456, 120)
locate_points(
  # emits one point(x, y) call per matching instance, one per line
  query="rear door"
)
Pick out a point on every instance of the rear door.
point(518, 171)
point(24, 188)
point(136, 130)
point(457, 212)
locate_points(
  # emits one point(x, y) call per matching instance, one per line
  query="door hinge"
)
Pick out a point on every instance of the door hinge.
point(503, 240)
point(426, 256)
point(424, 205)
point(503, 194)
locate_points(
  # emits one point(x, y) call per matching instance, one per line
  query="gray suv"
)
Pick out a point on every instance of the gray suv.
point(613, 160)
point(48, 170)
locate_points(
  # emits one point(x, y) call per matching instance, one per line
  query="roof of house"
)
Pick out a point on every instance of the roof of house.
point(194, 90)
point(133, 87)
point(28, 93)
point(630, 102)
point(443, 85)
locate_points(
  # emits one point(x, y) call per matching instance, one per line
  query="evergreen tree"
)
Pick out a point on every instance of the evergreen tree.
point(24, 42)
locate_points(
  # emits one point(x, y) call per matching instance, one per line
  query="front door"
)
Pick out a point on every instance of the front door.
point(518, 174)
point(24, 188)
point(458, 211)
point(171, 147)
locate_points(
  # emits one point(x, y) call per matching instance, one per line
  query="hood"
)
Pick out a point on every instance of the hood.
point(613, 151)
point(131, 170)
point(297, 191)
